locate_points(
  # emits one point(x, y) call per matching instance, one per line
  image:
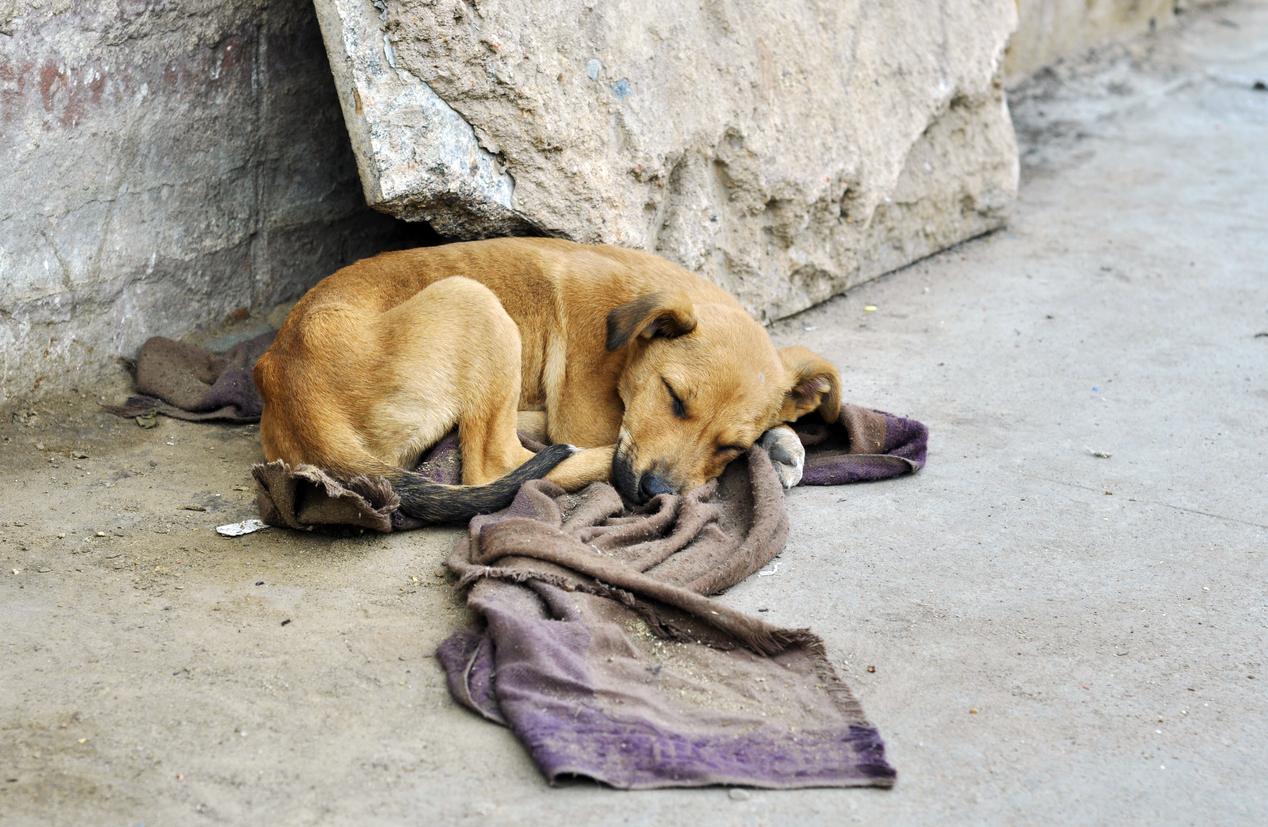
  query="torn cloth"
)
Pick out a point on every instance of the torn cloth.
point(598, 645)
point(185, 381)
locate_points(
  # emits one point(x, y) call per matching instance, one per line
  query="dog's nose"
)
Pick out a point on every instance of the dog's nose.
point(650, 485)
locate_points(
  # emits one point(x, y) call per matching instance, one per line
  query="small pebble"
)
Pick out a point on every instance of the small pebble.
point(736, 794)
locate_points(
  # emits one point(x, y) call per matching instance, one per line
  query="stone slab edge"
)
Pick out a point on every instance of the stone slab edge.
point(389, 111)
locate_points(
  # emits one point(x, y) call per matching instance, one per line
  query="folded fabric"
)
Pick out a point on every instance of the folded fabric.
point(188, 382)
point(598, 644)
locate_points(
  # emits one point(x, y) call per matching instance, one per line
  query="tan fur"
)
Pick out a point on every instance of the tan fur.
point(384, 357)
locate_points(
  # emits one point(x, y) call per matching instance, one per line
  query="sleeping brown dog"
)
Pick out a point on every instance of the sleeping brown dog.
point(658, 375)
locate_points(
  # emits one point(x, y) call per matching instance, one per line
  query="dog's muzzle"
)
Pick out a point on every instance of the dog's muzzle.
point(651, 485)
point(633, 486)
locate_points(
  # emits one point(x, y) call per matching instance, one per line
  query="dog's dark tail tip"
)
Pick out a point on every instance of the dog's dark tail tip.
point(435, 502)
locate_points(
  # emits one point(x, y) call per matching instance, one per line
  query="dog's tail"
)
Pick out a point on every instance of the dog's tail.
point(435, 502)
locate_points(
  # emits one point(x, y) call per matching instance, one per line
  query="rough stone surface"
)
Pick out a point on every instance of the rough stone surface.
point(166, 164)
point(784, 150)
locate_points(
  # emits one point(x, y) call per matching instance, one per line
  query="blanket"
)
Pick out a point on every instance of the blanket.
point(185, 381)
point(596, 641)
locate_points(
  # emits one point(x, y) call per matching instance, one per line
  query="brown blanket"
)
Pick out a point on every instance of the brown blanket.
point(187, 382)
point(598, 645)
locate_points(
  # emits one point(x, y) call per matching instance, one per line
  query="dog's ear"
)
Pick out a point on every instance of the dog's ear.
point(814, 385)
point(665, 315)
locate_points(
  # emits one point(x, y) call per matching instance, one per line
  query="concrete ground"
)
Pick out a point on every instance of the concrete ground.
point(1057, 635)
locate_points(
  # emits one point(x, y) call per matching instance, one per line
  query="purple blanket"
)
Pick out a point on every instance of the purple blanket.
point(597, 643)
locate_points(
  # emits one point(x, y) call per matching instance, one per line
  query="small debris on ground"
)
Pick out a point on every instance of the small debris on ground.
point(1099, 454)
point(195, 508)
point(1259, 86)
point(871, 669)
point(736, 794)
point(869, 308)
point(238, 529)
point(147, 421)
point(768, 572)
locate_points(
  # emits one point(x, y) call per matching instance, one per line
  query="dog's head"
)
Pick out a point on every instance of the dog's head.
point(701, 383)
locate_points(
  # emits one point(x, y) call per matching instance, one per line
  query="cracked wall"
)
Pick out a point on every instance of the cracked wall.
point(168, 165)
point(785, 151)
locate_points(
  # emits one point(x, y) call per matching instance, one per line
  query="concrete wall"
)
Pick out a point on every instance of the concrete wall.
point(166, 165)
point(1049, 30)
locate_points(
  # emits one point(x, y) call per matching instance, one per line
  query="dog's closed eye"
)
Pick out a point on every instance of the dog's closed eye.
point(680, 410)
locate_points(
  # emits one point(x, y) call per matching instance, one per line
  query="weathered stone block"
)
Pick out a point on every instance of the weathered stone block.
point(785, 150)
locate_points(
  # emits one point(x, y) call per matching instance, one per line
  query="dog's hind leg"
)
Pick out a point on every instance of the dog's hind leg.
point(577, 471)
point(587, 466)
point(532, 424)
point(454, 356)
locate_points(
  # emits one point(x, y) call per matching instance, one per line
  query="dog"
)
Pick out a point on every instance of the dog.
point(638, 371)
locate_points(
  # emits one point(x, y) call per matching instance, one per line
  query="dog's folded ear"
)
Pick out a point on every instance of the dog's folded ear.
point(813, 385)
point(663, 315)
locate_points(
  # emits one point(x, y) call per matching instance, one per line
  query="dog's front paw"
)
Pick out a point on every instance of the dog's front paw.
point(786, 453)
